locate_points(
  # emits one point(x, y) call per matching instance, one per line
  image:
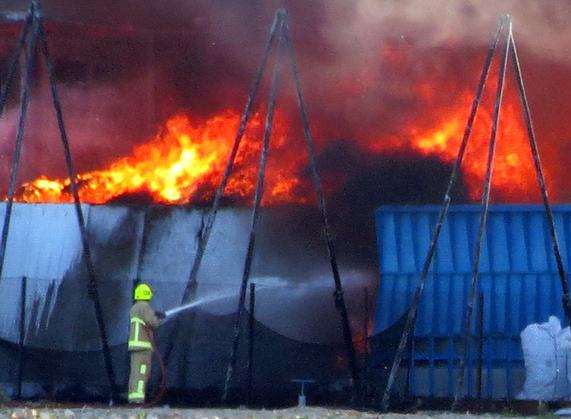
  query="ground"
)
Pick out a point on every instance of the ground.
point(165, 412)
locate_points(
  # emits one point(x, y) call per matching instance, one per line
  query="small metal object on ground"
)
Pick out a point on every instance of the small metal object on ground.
point(301, 399)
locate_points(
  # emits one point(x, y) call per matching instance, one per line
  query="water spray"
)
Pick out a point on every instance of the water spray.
point(201, 301)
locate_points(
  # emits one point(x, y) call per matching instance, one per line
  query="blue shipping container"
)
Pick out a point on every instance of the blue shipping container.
point(518, 285)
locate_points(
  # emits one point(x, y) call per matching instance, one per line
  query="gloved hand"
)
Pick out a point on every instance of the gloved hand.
point(161, 315)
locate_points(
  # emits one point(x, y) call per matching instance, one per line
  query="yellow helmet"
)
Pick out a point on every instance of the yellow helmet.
point(143, 292)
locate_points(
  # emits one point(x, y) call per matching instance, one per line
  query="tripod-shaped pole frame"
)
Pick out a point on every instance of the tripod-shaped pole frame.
point(32, 34)
point(509, 49)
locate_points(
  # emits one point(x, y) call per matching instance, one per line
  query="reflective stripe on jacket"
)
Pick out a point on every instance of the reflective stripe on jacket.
point(143, 321)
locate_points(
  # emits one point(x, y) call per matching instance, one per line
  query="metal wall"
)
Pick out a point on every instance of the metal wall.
point(294, 301)
point(519, 285)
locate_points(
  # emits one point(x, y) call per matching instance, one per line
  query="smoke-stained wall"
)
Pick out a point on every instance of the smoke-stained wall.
point(157, 245)
point(295, 310)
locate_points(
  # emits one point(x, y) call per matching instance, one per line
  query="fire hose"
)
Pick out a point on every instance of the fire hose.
point(164, 374)
point(164, 378)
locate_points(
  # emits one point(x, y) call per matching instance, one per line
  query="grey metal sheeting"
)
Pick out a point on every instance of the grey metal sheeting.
point(44, 245)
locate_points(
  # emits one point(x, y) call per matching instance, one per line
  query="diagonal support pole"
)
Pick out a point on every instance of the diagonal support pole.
point(413, 311)
point(338, 294)
point(93, 285)
point(254, 221)
point(14, 169)
point(5, 91)
point(541, 179)
point(210, 218)
point(473, 294)
point(246, 114)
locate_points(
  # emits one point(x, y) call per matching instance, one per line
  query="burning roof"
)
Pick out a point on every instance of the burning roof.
point(153, 115)
point(183, 160)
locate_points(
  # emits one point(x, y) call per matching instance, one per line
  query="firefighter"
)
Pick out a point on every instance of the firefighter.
point(143, 321)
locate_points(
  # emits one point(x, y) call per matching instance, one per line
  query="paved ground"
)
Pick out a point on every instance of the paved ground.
point(156, 413)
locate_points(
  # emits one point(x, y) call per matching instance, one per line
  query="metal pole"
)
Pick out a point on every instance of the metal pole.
point(365, 372)
point(25, 101)
point(541, 179)
point(254, 222)
point(366, 321)
point(480, 346)
point(93, 285)
point(21, 346)
point(251, 336)
point(338, 294)
point(411, 318)
point(211, 216)
point(411, 365)
point(5, 91)
point(473, 295)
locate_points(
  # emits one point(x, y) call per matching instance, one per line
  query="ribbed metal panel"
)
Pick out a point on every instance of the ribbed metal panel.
point(518, 280)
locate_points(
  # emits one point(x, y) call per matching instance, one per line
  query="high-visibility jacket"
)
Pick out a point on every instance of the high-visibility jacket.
point(143, 322)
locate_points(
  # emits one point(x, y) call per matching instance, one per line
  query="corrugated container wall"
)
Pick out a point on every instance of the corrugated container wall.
point(518, 285)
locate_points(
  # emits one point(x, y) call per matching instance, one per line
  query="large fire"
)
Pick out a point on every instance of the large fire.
point(183, 163)
point(513, 173)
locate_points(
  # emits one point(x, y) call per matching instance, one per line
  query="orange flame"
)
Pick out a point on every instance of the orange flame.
point(513, 171)
point(186, 159)
point(184, 162)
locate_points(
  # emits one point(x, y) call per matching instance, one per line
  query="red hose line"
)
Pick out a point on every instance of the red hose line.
point(164, 379)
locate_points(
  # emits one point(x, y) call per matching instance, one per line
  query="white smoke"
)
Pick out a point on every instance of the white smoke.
point(542, 26)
